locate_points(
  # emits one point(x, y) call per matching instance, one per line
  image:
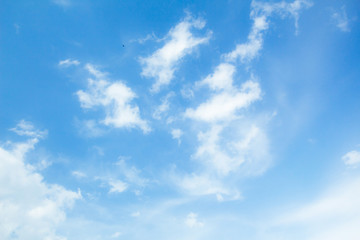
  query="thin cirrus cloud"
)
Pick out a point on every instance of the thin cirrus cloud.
point(69, 62)
point(25, 128)
point(30, 208)
point(335, 214)
point(341, 20)
point(116, 99)
point(180, 41)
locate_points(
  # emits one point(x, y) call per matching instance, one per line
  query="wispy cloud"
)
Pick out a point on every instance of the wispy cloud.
point(179, 42)
point(341, 19)
point(260, 13)
point(115, 98)
point(352, 158)
point(69, 62)
point(25, 128)
point(192, 220)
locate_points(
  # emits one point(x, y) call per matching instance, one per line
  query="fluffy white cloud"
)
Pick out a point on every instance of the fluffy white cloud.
point(69, 62)
point(352, 158)
point(115, 97)
point(221, 79)
point(341, 20)
point(30, 208)
point(192, 220)
point(24, 128)
point(180, 41)
point(222, 106)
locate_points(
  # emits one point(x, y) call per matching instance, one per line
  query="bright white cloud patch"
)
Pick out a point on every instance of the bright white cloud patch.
point(192, 221)
point(179, 42)
point(352, 158)
point(341, 20)
point(222, 106)
point(29, 207)
point(115, 98)
point(24, 128)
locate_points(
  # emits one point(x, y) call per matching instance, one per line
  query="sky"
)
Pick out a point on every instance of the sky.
point(179, 120)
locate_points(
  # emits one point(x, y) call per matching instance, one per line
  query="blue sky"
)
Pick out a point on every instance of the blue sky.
point(179, 120)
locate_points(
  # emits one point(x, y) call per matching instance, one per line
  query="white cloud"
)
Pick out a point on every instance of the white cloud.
point(352, 158)
point(222, 106)
point(69, 62)
point(25, 128)
point(180, 42)
point(341, 20)
point(30, 208)
point(117, 186)
point(260, 13)
point(115, 98)
point(192, 220)
point(221, 79)
point(233, 145)
point(176, 134)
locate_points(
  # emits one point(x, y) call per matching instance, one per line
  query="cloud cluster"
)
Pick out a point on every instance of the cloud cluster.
point(179, 42)
point(233, 144)
point(115, 97)
point(30, 208)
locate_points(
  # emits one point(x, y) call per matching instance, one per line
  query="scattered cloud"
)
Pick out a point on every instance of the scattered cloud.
point(25, 128)
point(341, 20)
point(30, 208)
point(192, 221)
point(115, 98)
point(352, 158)
point(179, 42)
